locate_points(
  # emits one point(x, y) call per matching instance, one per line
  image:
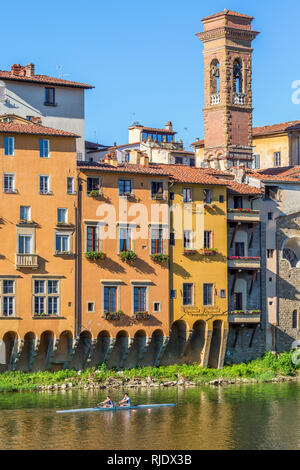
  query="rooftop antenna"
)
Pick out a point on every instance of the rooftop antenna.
point(60, 72)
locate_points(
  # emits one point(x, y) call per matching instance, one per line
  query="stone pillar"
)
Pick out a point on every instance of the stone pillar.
point(189, 334)
point(126, 352)
point(206, 348)
point(144, 350)
point(52, 347)
point(223, 348)
point(112, 342)
point(161, 350)
point(16, 353)
point(33, 352)
point(90, 352)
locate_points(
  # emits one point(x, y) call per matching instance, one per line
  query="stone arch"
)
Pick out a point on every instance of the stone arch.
point(101, 349)
point(119, 351)
point(42, 359)
point(177, 343)
point(63, 351)
point(195, 349)
point(155, 345)
point(214, 77)
point(291, 251)
point(79, 360)
point(238, 75)
point(215, 345)
point(137, 350)
point(10, 340)
point(27, 354)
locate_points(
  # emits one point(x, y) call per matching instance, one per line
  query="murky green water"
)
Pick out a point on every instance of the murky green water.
point(262, 416)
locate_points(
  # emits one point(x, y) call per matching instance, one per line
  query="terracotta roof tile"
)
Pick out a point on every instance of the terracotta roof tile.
point(229, 13)
point(153, 129)
point(187, 174)
point(273, 176)
point(30, 128)
point(5, 75)
point(122, 168)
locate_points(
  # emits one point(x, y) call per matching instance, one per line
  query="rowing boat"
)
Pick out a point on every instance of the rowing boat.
point(116, 408)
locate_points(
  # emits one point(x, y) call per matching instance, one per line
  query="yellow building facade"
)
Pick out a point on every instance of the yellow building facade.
point(198, 268)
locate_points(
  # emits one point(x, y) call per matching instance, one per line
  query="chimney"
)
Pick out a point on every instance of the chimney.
point(111, 158)
point(169, 126)
point(144, 160)
point(239, 173)
point(36, 120)
point(29, 70)
point(16, 69)
point(134, 157)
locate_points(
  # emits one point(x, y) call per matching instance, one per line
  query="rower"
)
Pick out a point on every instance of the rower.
point(125, 401)
point(106, 403)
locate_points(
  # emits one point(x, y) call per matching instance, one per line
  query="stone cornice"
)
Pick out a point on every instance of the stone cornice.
point(226, 32)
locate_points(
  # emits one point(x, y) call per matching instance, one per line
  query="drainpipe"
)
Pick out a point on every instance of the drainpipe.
point(78, 264)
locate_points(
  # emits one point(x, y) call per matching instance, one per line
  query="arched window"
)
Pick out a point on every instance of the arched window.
point(237, 76)
point(215, 80)
point(291, 251)
point(295, 322)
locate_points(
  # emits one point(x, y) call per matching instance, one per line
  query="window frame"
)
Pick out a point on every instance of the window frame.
point(47, 101)
point(205, 303)
point(191, 294)
point(9, 295)
point(13, 185)
point(44, 153)
point(9, 150)
point(46, 295)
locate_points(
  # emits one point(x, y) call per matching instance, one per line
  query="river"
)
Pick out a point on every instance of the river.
point(263, 416)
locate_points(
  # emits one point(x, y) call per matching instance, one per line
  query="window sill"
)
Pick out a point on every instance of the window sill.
point(63, 253)
point(11, 317)
point(50, 193)
point(49, 104)
point(12, 191)
point(48, 317)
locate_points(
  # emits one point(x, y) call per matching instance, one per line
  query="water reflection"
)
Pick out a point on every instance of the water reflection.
point(240, 417)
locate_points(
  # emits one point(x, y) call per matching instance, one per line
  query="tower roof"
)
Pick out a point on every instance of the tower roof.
point(228, 13)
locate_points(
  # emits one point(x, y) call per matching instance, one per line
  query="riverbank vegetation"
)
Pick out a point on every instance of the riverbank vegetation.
point(269, 368)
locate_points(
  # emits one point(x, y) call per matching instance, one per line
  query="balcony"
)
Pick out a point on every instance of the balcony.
point(250, 317)
point(215, 99)
point(239, 98)
point(26, 261)
point(243, 215)
point(243, 262)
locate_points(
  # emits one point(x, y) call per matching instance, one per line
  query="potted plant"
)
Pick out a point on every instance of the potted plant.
point(141, 315)
point(159, 258)
point(94, 193)
point(127, 255)
point(95, 255)
point(113, 315)
point(190, 252)
point(210, 251)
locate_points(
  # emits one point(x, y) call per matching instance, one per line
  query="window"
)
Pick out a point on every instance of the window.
point(271, 192)
point(25, 244)
point(277, 159)
point(156, 307)
point(70, 185)
point(207, 294)
point(62, 242)
point(25, 213)
point(91, 307)
point(238, 77)
point(110, 299)
point(139, 299)
point(207, 196)
point(223, 294)
point(295, 319)
point(125, 188)
point(215, 78)
point(187, 294)
point(156, 241)
point(172, 239)
point(221, 199)
point(8, 183)
point(62, 215)
point(92, 238)
point(49, 95)
point(157, 189)
point(239, 249)
point(207, 239)
point(270, 253)
point(173, 294)
point(178, 160)
point(192, 162)
point(270, 215)
point(238, 202)
point(256, 162)
point(7, 298)
point(93, 184)
point(44, 148)
point(125, 239)
point(46, 297)
point(188, 240)
point(172, 196)
point(187, 195)
point(44, 184)
point(238, 301)
point(9, 145)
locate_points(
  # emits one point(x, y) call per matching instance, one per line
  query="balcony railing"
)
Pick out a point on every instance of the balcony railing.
point(26, 261)
point(243, 262)
point(215, 99)
point(239, 98)
point(240, 215)
point(247, 316)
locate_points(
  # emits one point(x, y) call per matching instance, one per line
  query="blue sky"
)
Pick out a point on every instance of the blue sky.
point(145, 61)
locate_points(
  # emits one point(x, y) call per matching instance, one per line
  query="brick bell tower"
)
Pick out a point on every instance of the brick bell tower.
point(227, 39)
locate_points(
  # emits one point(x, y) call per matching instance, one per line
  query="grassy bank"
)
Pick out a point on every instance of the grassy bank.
point(267, 368)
